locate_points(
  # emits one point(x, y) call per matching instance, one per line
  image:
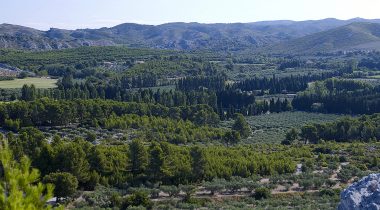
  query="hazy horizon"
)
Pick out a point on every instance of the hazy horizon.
point(74, 14)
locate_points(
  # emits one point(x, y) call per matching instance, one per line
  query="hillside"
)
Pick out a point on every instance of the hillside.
point(183, 36)
point(353, 36)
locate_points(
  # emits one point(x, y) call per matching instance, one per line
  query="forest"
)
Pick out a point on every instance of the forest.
point(127, 128)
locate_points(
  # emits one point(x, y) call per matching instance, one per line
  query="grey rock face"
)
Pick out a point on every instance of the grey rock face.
point(364, 194)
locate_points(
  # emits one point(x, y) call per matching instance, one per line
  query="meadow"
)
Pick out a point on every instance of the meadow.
point(39, 82)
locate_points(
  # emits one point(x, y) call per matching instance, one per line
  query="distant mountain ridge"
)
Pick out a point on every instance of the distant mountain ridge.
point(182, 36)
point(355, 36)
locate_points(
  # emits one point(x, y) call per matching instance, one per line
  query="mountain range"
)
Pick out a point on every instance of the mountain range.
point(273, 36)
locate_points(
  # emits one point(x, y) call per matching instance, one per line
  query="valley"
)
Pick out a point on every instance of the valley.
point(263, 115)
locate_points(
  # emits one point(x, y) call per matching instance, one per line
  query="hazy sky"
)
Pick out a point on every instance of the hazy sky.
point(71, 14)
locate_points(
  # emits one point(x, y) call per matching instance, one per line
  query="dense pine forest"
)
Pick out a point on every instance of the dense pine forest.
point(127, 128)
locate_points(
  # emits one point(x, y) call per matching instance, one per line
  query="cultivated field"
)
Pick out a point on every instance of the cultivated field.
point(271, 128)
point(38, 82)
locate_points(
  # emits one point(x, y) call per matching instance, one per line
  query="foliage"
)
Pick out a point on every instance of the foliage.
point(137, 199)
point(262, 193)
point(49, 112)
point(65, 184)
point(347, 129)
point(339, 96)
point(172, 190)
point(240, 125)
point(19, 187)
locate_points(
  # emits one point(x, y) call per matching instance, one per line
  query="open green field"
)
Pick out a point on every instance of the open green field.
point(271, 128)
point(38, 82)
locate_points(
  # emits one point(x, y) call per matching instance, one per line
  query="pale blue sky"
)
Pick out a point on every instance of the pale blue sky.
point(72, 14)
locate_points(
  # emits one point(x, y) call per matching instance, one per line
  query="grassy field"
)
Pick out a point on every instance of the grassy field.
point(38, 82)
point(271, 128)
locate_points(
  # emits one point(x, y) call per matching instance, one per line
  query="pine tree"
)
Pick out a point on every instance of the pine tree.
point(231, 137)
point(290, 137)
point(240, 125)
point(65, 184)
point(157, 166)
point(138, 157)
point(19, 186)
point(28, 93)
point(309, 133)
point(198, 163)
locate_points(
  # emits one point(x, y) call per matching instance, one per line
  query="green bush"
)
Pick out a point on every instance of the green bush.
point(262, 193)
point(138, 198)
point(189, 190)
point(12, 125)
point(215, 186)
point(172, 190)
point(329, 192)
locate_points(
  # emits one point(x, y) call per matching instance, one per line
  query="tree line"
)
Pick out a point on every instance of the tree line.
point(226, 103)
point(365, 128)
point(49, 112)
point(287, 84)
point(339, 96)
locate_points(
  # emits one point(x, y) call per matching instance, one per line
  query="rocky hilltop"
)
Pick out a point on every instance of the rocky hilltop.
point(320, 35)
point(364, 194)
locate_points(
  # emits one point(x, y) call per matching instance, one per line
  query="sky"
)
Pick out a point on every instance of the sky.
point(74, 14)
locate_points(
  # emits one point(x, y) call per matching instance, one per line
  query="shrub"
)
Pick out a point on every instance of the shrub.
point(306, 184)
point(172, 190)
point(342, 159)
point(262, 193)
point(329, 192)
point(348, 172)
point(189, 190)
point(154, 193)
point(330, 183)
point(12, 125)
point(103, 197)
point(318, 182)
point(138, 198)
point(215, 185)
point(235, 184)
point(91, 137)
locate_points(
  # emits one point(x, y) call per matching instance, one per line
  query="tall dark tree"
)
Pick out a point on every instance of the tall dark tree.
point(290, 136)
point(231, 137)
point(240, 125)
point(65, 184)
point(157, 166)
point(309, 134)
point(28, 93)
point(138, 156)
point(198, 162)
point(67, 81)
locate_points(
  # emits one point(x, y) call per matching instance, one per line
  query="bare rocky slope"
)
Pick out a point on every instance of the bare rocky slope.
point(364, 194)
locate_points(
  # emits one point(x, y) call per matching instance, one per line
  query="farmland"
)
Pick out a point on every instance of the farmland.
point(38, 82)
point(271, 128)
